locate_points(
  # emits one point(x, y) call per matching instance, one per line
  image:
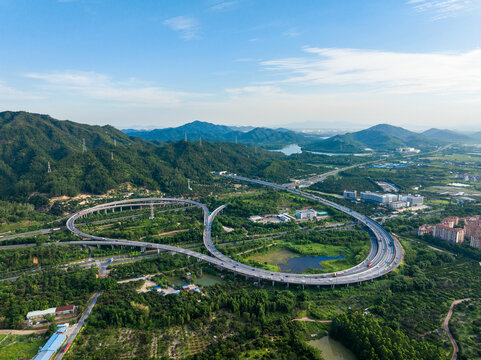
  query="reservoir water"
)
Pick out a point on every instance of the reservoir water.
point(300, 263)
point(332, 349)
point(296, 149)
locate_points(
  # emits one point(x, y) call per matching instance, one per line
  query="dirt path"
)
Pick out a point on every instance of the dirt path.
point(312, 320)
point(446, 327)
point(22, 332)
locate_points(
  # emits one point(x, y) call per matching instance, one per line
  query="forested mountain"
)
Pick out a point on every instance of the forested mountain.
point(28, 142)
point(194, 131)
point(445, 135)
point(380, 138)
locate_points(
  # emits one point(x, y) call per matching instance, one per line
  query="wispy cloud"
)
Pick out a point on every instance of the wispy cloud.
point(186, 26)
point(292, 33)
point(95, 86)
point(393, 72)
point(441, 9)
point(254, 91)
point(223, 5)
point(9, 93)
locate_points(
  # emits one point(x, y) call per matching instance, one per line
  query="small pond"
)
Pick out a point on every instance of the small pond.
point(332, 349)
point(300, 263)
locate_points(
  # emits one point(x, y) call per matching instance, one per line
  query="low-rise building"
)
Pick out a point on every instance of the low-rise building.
point(376, 198)
point(425, 229)
point(415, 200)
point(64, 310)
point(350, 195)
point(398, 204)
point(40, 314)
point(256, 218)
point(53, 344)
point(306, 214)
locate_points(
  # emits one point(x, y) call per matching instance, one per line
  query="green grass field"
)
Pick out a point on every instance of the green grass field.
point(14, 347)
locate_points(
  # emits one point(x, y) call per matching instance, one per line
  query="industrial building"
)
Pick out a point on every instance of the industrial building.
point(61, 310)
point(53, 344)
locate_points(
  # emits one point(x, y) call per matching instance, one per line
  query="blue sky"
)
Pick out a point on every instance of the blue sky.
point(316, 63)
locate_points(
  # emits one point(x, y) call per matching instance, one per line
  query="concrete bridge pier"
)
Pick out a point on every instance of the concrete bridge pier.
point(158, 251)
point(247, 277)
point(112, 247)
point(302, 286)
point(98, 246)
point(272, 282)
point(287, 284)
point(172, 253)
point(142, 249)
point(332, 286)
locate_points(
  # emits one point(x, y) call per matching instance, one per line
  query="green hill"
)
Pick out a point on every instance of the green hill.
point(381, 137)
point(445, 135)
point(28, 142)
point(194, 131)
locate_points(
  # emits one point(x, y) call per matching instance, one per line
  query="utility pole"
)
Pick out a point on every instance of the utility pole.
point(84, 148)
point(49, 169)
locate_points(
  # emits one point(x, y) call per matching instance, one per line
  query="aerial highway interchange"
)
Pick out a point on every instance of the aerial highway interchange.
point(385, 254)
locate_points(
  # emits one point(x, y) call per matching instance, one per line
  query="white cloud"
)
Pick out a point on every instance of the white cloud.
point(9, 93)
point(187, 26)
point(97, 86)
point(402, 73)
point(223, 5)
point(292, 33)
point(441, 9)
point(254, 91)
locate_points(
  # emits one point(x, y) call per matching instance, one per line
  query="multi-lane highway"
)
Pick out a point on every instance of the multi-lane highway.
point(385, 254)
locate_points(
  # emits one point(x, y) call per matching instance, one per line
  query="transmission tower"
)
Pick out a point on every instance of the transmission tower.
point(49, 169)
point(115, 142)
point(111, 155)
point(188, 185)
point(84, 148)
point(236, 139)
point(185, 136)
point(200, 141)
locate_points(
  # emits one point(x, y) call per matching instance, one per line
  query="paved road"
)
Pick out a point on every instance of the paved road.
point(446, 327)
point(32, 233)
point(74, 330)
point(385, 254)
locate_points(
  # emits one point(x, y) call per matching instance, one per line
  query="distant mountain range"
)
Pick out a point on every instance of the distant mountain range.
point(382, 137)
point(196, 130)
point(386, 137)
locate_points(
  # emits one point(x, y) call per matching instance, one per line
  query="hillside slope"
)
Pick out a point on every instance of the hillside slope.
point(445, 135)
point(28, 142)
point(381, 137)
point(194, 131)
